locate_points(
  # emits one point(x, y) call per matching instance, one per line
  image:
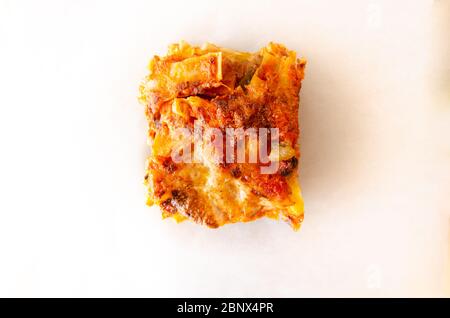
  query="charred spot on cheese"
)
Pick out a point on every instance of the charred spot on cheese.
point(288, 166)
point(167, 206)
point(169, 165)
point(236, 172)
point(179, 198)
point(176, 203)
point(222, 89)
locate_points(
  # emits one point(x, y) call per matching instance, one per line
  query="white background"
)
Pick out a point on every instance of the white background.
point(375, 120)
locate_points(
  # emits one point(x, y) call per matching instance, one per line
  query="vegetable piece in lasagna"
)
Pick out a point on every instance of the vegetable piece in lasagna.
point(223, 132)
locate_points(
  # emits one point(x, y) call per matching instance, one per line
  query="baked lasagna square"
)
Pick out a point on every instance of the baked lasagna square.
point(223, 132)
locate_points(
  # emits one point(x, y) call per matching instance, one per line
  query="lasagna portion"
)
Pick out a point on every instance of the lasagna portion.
point(223, 132)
